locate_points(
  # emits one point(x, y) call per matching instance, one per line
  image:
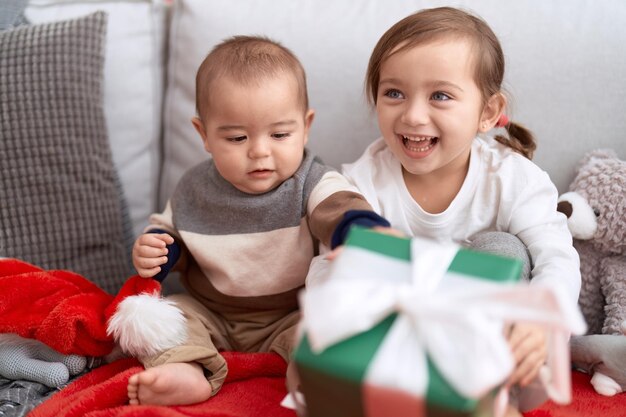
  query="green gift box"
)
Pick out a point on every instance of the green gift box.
point(334, 381)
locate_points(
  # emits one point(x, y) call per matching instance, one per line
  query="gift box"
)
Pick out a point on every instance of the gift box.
point(410, 327)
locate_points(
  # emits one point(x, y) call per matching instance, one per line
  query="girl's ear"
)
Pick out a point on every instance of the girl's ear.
point(491, 112)
point(197, 123)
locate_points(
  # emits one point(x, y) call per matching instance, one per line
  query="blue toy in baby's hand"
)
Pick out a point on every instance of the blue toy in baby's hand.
point(29, 359)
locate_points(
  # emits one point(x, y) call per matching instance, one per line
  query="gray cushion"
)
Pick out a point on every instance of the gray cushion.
point(59, 194)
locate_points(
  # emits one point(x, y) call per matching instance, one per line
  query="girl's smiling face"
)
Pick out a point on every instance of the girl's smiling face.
point(430, 108)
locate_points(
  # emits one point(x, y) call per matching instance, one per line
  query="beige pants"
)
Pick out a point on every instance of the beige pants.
point(210, 332)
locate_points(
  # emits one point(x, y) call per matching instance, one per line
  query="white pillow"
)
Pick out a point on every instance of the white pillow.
point(565, 70)
point(133, 89)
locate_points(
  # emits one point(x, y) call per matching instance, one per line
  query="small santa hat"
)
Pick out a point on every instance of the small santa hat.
point(72, 315)
point(142, 322)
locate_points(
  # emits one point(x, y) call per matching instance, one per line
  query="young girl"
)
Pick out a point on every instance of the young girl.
point(435, 80)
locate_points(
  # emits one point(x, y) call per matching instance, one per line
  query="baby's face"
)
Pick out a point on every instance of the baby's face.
point(256, 133)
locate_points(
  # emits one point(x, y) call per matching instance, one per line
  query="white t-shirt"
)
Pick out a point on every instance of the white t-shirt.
point(503, 191)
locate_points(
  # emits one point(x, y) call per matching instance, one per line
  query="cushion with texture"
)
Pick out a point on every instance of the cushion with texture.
point(133, 88)
point(59, 192)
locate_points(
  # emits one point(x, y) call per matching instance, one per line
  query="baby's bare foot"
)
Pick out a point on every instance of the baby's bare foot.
point(169, 384)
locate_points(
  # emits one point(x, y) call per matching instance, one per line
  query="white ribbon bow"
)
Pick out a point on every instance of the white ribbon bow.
point(457, 320)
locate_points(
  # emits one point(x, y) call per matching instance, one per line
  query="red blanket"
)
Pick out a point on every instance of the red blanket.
point(65, 311)
point(585, 402)
point(255, 386)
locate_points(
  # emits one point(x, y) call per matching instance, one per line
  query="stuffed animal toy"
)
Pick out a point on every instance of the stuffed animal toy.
point(32, 360)
point(596, 211)
point(52, 323)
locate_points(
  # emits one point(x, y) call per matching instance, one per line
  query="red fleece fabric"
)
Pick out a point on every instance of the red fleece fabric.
point(61, 308)
point(585, 402)
point(255, 386)
point(69, 313)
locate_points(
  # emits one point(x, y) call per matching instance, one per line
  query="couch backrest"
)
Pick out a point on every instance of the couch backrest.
point(566, 70)
point(566, 73)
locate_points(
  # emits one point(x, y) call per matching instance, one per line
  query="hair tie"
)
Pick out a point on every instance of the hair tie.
point(502, 121)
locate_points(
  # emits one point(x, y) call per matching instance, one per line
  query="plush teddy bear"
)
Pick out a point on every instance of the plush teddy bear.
point(596, 211)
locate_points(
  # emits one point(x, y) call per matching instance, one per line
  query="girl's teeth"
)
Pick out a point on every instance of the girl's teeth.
point(418, 139)
point(418, 149)
point(411, 143)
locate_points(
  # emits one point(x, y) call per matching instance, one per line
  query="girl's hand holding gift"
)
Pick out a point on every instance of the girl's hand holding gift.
point(528, 345)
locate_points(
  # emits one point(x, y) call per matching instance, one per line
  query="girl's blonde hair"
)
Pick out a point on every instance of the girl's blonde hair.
point(435, 24)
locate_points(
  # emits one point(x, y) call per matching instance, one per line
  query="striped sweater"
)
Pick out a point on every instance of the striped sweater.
point(253, 251)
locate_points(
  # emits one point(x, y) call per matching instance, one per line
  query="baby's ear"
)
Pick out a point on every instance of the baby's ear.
point(199, 126)
point(491, 112)
point(308, 118)
point(308, 121)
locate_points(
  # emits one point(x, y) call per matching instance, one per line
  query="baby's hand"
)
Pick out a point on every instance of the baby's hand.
point(149, 252)
point(528, 345)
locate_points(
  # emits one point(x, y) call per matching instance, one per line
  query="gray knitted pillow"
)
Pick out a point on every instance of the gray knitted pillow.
point(59, 194)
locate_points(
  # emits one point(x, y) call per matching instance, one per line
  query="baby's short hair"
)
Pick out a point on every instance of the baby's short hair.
point(248, 60)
